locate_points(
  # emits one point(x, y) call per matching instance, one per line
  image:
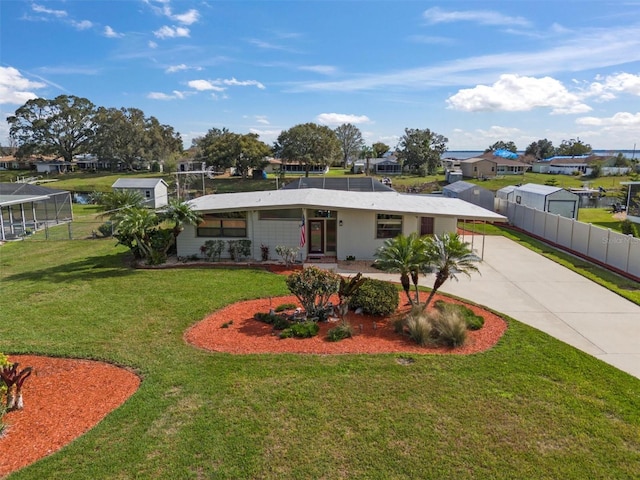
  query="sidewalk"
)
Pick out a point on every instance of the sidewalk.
point(539, 292)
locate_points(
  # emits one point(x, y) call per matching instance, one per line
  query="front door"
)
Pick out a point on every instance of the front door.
point(316, 236)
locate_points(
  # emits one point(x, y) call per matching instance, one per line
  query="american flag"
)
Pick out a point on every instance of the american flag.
point(303, 233)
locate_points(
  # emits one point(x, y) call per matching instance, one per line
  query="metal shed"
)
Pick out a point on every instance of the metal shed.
point(471, 193)
point(548, 199)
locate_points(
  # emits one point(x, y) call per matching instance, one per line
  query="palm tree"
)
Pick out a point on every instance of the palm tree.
point(404, 255)
point(447, 256)
point(179, 214)
point(134, 230)
point(117, 200)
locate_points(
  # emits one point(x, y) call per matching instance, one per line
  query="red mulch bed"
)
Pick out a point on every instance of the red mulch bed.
point(245, 335)
point(63, 398)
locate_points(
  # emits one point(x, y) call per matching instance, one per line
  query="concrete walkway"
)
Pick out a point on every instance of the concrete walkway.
point(536, 291)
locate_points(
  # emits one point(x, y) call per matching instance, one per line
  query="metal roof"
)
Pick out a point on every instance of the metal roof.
point(137, 182)
point(389, 202)
point(351, 184)
point(7, 200)
point(460, 186)
point(26, 189)
point(536, 188)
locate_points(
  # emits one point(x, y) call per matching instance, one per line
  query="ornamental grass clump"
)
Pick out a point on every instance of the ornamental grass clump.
point(435, 327)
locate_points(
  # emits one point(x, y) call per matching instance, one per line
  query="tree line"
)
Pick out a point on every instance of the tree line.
point(67, 126)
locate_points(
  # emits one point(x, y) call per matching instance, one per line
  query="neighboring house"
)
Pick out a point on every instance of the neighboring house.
point(26, 207)
point(378, 166)
point(154, 190)
point(547, 199)
point(471, 193)
point(53, 167)
point(323, 222)
point(478, 167)
point(633, 201)
point(582, 165)
point(276, 165)
point(507, 166)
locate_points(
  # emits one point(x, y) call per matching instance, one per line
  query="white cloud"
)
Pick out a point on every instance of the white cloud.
point(203, 85)
point(605, 88)
point(322, 69)
point(620, 119)
point(82, 25)
point(340, 118)
point(111, 33)
point(483, 17)
point(171, 32)
point(514, 93)
point(163, 96)
point(262, 119)
point(176, 68)
point(152, 44)
point(14, 88)
point(40, 9)
point(187, 18)
point(244, 83)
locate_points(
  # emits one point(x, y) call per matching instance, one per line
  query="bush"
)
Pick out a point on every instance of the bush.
point(449, 328)
point(265, 317)
point(239, 249)
point(376, 297)
point(106, 229)
point(340, 332)
point(419, 328)
point(286, 306)
point(288, 254)
point(629, 228)
point(313, 287)
point(306, 329)
point(212, 249)
point(473, 321)
point(4, 361)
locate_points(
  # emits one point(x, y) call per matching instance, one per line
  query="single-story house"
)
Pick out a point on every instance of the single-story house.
point(276, 165)
point(508, 166)
point(55, 166)
point(471, 193)
point(323, 223)
point(580, 164)
point(378, 166)
point(633, 201)
point(478, 167)
point(548, 199)
point(155, 191)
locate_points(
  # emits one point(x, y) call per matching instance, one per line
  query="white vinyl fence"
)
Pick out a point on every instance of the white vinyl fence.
point(614, 249)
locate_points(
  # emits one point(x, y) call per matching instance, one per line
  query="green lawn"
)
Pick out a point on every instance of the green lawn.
point(532, 407)
point(601, 217)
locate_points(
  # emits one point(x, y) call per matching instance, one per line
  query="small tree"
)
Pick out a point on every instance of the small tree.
point(14, 380)
point(403, 255)
point(313, 287)
point(447, 256)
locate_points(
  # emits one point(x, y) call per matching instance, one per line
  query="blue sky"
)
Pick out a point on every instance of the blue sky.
point(475, 72)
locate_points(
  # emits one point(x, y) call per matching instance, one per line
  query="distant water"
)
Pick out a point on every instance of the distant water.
point(462, 154)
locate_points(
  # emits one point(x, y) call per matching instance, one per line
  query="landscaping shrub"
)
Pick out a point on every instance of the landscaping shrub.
point(239, 249)
point(281, 323)
point(419, 328)
point(449, 328)
point(212, 249)
point(286, 306)
point(288, 254)
point(376, 297)
point(306, 329)
point(4, 361)
point(313, 287)
point(473, 321)
point(265, 317)
point(106, 229)
point(340, 332)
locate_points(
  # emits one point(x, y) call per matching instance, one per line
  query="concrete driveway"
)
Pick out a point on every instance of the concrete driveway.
point(536, 291)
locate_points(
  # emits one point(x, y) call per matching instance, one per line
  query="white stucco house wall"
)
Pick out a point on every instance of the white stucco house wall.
point(337, 224)
point(155, 191)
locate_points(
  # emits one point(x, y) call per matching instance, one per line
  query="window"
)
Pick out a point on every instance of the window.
point(147, 193)
point(233, 224)
point(388, 226)
point(281, 214)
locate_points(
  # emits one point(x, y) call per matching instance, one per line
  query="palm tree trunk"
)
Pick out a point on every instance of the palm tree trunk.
point(406, 286)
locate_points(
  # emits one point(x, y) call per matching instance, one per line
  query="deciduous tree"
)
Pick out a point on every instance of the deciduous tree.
point(502, 145)
point(541, 149)
point(310, 144)
point(62, 127)
point(421, 150)
point(573, 148)
point(351, 141)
